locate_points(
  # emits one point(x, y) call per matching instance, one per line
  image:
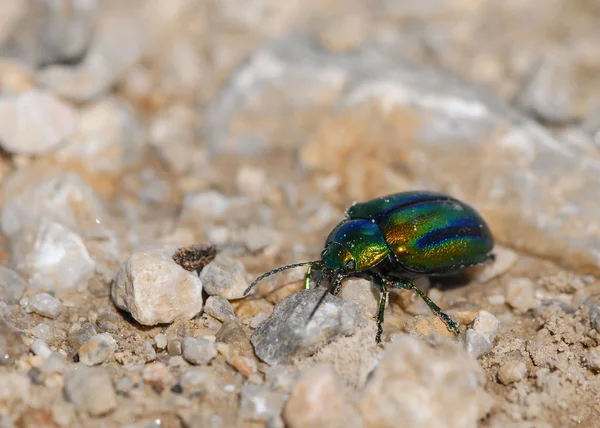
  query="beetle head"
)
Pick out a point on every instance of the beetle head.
point(337, 258)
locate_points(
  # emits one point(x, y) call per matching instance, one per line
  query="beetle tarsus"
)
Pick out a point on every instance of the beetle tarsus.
point(381, 312)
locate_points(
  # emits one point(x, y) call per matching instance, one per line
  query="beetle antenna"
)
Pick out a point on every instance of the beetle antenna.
point(334, 285)
point(316, 263)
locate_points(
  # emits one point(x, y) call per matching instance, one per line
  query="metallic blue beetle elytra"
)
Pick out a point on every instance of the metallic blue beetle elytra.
point(393, 239)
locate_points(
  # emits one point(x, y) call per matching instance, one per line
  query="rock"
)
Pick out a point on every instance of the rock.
point(158, 376)
point(203, 380)
point(98, 349)
point(520, 294)
point(512, 371)
point(12, 286)
point(423, 386)
point(34, 123)
point(64, 197)
point(505, 259)
point(172, 134)
point(46, 305)
point(82, 335)
point(286, 334)
point(219, 308)
point(155, 289)
point(258, 319)
point(90, 389)
point(15, 389)
point(593, 358)
point(108, 137)
point(41, 349)
point(480, 337)
point(198, 351)
point(362, 292)
point(42, 331)
point(11, 344)
point(225, 277)
point(260, 404)
point(52, 256)
point(319, 399)
point(232, 334)
point(549, 92)
point(175, 347)
point(161, 341)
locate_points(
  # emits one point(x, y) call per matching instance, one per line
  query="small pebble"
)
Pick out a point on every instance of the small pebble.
point(81, 335)
point(42, 331)
point(174, 347)
point(198, 351)
point(41, 349)
point(497, 299)
point(520, 294)
point(149, 353)
point(225, 277)
point(98, 349)
point(593, 358)
point(158, 376)
point(161, 341)
point(203, 380)
point(260, 404)
point(46, 305)
point(90, 389)
point(219, 308)
point(481, 335)
point(12, 286)
point(512, 371)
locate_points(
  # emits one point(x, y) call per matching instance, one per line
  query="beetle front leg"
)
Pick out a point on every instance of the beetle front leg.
point(381, 312)
point(408, 285)
point(307, 278)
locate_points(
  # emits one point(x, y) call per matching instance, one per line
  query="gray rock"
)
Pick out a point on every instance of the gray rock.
point(148, 353)
point(175, 347)
point(81, 335)
point(232, 334)
point(98, 349)
point(34, 123)
point(286, 334)
point(198, 351)
point(90, 389)
point(549, 92)
point(12, 286)
point(260, 404)
point(593, 358)
point(225, 277)
point(423, 386)
point(46, 305)
point(480, 337)
point(108, 137)
point(42, 331)
point(64, 197)
point(51, 255)
point(41, 348)
point(203, 380)
point(219, 308)
point(155, 289)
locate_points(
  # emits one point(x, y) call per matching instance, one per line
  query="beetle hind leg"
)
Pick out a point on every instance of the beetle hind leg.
point(408, 285)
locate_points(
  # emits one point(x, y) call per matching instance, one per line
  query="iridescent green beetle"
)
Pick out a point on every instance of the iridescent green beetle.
point(393, 239)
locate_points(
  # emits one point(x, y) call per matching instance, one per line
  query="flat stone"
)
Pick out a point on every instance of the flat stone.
point(90, 389)
point(480, 337)
point(286, 334)
point(46, 305)
point(198, 351)
point(512, 371)
point(225, 277)
point(98, 349)
point(155, 289)
point(219, 308)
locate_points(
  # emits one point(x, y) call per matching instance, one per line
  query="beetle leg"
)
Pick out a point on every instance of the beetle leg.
point(381, 312)
point(307, 278)
point(408, 285)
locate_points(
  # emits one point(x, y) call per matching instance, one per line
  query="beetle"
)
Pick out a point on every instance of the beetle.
point(391, 240)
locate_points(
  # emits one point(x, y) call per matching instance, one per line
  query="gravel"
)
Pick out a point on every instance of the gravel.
point(98, 349)
point(45, 305)
point(198, 351)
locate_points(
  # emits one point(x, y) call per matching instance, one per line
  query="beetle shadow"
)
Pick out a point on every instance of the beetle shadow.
point(451, 282)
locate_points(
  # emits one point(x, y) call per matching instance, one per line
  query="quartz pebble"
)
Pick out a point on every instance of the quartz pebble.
point(98, 349)
point(198, 351)
point(155, 289)
point(424, 386)
point(161, 341)
point(90, 389)
point(46, 305)
point(520, 294)
point(480, 337)
point(53, 256)
point(224, 277)
point(41, 349)
point(285, 334)
point(512, 371)
point(12, 286)
point(593, 358)
point(260, 404)
point(219, 308)
point(34, 122)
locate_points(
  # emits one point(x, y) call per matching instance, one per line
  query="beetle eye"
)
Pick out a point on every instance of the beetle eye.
point(350, 265)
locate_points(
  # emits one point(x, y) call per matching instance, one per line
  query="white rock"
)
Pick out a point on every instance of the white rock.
point(520, 294)
point(362, 292)
point(198, 350)
point(98, 349)
point(34, 122)
point(161, 341)
point(593, 358)
point(480, 337)
point(219, 308)
point(45, 305)
point(12, 286)
point(108, 137)
point(64, 197)
point(155, 289)
point(53, 256)
point(225, 277)
point(41, 348)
